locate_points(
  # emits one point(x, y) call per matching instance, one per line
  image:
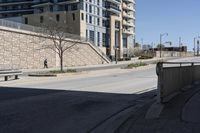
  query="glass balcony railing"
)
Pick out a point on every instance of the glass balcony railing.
point(14, 1)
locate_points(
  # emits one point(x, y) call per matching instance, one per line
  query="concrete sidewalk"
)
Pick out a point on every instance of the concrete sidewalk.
point(101, 66)
point(179, 115)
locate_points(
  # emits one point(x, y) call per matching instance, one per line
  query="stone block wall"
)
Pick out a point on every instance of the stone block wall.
point(22, 50)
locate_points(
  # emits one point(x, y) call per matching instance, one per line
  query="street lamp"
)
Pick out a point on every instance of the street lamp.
point(195, 44)
point(116, 55)
point(180, 44)
point(197, 47)
point(161, 35)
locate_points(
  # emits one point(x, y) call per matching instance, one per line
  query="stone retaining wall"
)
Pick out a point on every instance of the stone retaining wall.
point(22, 50)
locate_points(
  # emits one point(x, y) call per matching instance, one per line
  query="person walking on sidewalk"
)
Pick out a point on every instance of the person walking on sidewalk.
point(45, 63)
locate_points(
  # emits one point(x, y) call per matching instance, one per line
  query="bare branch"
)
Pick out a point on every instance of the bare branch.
point(66, 48)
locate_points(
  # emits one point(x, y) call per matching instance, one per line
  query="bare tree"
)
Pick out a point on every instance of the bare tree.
point(61, 40)
point(136, 51)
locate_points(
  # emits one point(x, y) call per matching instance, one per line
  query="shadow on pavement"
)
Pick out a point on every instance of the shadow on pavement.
point(25, 110)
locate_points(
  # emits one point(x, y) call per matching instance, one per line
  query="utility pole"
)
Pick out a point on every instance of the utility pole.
point(180, 50)
point(197, 47)
point(194, 45)
point(160, 44)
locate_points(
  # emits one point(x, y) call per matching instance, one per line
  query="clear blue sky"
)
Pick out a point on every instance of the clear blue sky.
point(179, 18)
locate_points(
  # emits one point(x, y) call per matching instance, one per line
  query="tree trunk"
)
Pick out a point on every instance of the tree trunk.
point(61, 62)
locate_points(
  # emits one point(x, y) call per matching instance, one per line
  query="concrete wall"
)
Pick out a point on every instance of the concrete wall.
point(172, 80)
point(171, 54)
point(22, 49)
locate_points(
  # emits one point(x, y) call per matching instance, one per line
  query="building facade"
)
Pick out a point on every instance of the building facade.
point(12, 9)
point(108, 24)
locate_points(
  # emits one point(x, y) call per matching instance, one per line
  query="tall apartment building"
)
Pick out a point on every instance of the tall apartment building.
point(108, 24)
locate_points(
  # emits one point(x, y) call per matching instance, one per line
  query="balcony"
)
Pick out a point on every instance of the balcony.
point(113, 8)
point(127, 15)
point(16, 10)
point(43, 3)
point(118, 2)
point(129, 24)
point(64, 2)
point(15, 2)
point(128, 1)
point(127, 6)
point(128, 31)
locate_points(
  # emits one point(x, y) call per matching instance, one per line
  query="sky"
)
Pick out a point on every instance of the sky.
point(178, 18)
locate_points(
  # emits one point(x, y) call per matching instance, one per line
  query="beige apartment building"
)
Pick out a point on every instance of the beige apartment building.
point(107, 24)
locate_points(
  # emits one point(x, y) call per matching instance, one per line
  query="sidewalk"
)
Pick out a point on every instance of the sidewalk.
point(99, 67)
point(180, 115)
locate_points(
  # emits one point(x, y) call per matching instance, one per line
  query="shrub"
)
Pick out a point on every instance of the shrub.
point(146, 56)
point(130, 66)
point(67, 71)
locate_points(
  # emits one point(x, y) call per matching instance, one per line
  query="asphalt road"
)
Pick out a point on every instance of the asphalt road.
point(109, 81)
point(55, 109)
point(25, 110)
point(114, 80)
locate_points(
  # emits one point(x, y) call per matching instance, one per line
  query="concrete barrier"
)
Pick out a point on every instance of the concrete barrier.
point(174, 77)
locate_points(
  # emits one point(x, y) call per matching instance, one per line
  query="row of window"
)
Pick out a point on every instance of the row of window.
point(97, 21)
point(98, 1)
point(57, 18)
point(91, 36)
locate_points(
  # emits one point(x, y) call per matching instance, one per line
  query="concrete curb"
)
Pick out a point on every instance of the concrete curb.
point(42, 75)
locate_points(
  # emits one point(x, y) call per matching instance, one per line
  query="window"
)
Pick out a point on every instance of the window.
point(86, 7)
point(57, 17)
point(82, 16)
point(86, 34)
point(92, 36)
point(125, 42)
point(97, 11)
point(26, 20)
point(74, 7)
point(104, 39)
point(73, 16)
point(41, 19)
point(98, 38)
point(90, 19)
point(90, 9)
point(97, 2)
point(104, 23)
point(98, 21)
point(86, 18)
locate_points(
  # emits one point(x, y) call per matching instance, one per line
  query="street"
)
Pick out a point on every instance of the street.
point(63, 104)
point(116, 80)
point(125, 81)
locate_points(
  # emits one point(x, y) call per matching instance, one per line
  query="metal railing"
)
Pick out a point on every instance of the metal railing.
point(17, 25)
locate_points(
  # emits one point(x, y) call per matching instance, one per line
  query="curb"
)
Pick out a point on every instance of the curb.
point(42, 75)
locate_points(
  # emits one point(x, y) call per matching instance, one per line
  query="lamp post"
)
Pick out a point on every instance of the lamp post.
point(161, 35)
point(196, 38)
point(194, 44)
point(180, 44)
point(197, 47)
point(116, 55)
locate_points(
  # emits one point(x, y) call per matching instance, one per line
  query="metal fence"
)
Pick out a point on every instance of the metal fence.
point(16, 25)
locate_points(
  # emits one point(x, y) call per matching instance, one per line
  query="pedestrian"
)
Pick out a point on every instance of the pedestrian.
point(45, 63)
